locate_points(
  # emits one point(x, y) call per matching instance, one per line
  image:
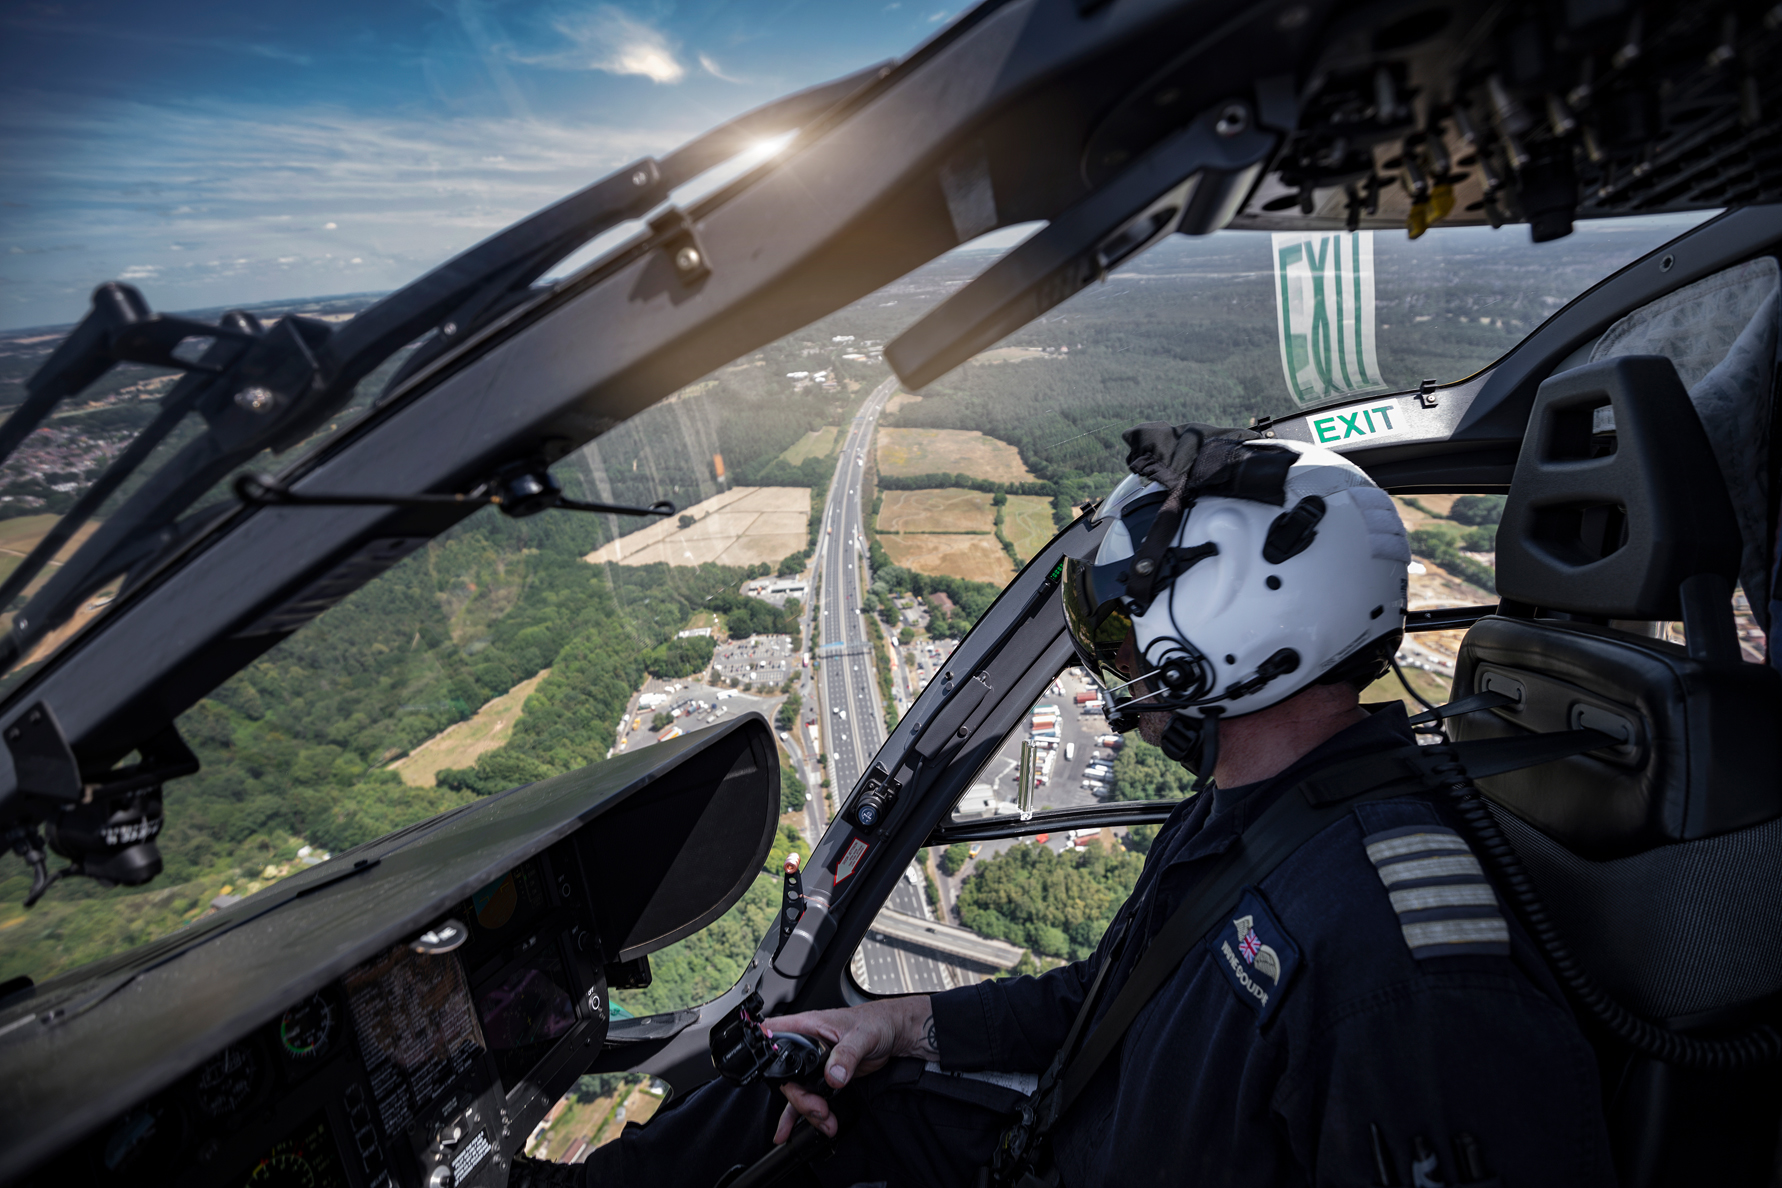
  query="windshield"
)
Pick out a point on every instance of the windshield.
point(836, 535)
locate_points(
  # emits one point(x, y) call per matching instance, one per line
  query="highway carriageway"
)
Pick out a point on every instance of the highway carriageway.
point(960, 943)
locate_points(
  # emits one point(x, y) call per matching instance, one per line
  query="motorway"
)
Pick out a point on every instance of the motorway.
point(853, 724)
point(896, 966)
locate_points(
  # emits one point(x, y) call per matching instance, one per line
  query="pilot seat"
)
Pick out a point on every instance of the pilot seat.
point(1657, 858)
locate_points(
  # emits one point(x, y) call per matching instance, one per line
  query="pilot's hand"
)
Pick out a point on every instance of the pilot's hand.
point(862, 1040)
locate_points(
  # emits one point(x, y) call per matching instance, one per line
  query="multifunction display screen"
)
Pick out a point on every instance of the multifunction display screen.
point(417, 1032)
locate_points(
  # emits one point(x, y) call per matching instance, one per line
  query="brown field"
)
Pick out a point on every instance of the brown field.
point(818, 443)
point(459, 745)
point(1388, 688)
point(573, 1127)
point(1010, 355)
point(1027, 522)
point(975, 558)
point(950, 451)
point(744, 526)
point(1439, 504)
point(948, 509)
point(899, 401)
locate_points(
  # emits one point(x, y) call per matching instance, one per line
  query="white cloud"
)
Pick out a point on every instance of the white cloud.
point(712, 68)
point(121, 188)
point(610, 39)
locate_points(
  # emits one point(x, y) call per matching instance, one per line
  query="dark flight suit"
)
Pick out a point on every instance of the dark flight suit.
point(1370, 1015)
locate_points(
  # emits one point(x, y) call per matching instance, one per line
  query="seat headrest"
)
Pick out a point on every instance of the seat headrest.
point(1616, 497)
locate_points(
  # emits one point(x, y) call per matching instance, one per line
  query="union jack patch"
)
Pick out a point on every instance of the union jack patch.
point(1255, 954)
point(1249, 946)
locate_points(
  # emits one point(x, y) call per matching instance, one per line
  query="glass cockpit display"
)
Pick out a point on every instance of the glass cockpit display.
point(417, 1032)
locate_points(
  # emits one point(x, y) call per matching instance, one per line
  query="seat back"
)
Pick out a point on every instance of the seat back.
point(1655, 856)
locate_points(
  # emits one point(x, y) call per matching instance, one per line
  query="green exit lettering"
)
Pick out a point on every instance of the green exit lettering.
point(1366, 422)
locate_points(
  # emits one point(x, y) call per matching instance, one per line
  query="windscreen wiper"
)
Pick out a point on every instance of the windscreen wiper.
point(270, 391)
point(523, 490)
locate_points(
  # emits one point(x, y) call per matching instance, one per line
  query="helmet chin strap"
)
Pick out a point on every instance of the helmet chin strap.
point(1194, 743)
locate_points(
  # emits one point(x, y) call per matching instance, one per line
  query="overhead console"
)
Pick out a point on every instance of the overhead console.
point(402, 1015)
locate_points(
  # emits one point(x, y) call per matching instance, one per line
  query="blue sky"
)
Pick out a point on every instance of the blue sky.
point(220, 153)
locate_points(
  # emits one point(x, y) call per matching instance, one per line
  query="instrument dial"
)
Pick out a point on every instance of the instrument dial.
point(307, 1028)
point(227, 1081)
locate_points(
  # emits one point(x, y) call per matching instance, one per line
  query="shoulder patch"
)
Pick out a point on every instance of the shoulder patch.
point(1445, 907)
point(1255, 954)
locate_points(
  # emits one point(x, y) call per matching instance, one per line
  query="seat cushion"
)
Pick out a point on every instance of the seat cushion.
point(1702, 753)
point(1679, 933)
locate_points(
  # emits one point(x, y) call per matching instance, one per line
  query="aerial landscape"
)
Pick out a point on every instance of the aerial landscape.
point(509, 650)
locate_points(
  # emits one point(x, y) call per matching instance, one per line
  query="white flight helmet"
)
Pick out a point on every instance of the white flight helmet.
point(1256, 600)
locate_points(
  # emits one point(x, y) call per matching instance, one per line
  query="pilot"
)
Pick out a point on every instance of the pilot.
point(1363, 1010)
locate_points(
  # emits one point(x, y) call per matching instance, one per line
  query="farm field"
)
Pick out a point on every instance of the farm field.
point(1027, 522)
point(948, 509)
point(1415, 518)
point(18, 536)
point(744, 526)
point(950, 451)
point(575, 1127)
point(974, 558)
point(901, 400)
point(459, 745)
point(1009, 355)
point(818, 443)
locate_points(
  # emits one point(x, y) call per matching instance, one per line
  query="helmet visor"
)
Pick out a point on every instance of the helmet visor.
point(1101, 630)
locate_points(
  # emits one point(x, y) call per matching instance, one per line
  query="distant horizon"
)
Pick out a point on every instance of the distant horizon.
point(995, 241)
point(219, 157)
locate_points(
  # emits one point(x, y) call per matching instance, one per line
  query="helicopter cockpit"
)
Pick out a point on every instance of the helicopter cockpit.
point(417, 1001)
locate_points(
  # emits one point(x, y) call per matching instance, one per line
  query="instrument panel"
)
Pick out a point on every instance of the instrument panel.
point(419, 1068)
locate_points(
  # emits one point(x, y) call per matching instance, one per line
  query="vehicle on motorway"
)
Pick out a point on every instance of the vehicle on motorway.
point(1604, 329)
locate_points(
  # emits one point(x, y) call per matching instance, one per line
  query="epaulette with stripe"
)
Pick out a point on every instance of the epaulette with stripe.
point(1445, 907)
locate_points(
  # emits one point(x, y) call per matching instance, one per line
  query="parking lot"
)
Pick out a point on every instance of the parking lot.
point(690, 706)
point(760, 660)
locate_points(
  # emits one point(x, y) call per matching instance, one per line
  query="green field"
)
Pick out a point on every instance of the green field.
point(948, 509)
point(818, 443)
point(950, 451)
point(1027, 522)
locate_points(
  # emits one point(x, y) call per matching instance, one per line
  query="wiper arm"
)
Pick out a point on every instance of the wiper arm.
point(174, 407)
point(262, 399)
point(273, 391)
point(119, 328)
point(491, 278)
point(524, 490)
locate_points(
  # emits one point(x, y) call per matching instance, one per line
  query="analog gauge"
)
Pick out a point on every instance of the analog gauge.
point(307, 1159)
point(228, 1080)
point(283, 1169)
point(307, 1028)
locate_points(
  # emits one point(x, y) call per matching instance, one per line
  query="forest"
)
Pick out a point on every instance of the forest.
point(294, 747)
point(1057, 905)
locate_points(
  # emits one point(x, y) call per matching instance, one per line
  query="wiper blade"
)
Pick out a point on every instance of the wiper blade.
point(119, 328)
point(262, 399)
point(174, 407)
point(271, 392)
point(472, 290)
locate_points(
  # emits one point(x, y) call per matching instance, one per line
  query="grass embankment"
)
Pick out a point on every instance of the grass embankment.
point(459, 745)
